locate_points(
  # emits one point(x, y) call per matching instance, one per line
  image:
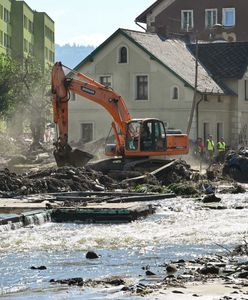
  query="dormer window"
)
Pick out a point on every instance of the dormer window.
point(123, 55)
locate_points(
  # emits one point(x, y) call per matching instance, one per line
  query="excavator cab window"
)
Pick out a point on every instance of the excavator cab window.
point(159, 136)
point(147, 136)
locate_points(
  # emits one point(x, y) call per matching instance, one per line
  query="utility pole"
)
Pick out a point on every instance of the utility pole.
point(195, 88)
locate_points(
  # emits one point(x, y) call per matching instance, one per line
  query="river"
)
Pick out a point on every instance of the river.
point(180, 228)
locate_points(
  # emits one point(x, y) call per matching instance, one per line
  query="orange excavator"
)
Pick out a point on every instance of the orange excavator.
point(136, 139)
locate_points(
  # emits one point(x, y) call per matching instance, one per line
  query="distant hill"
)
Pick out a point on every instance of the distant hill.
point(72, 55)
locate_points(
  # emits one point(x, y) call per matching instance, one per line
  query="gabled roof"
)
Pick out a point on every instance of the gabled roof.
point(171, 54)
point(223, 60)
point(174, 55)
point(142, 17)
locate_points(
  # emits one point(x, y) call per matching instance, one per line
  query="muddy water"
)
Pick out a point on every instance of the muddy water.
point(181, 228)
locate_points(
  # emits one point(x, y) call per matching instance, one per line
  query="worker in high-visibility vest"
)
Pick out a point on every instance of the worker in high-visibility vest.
point(221, 147)
point(210, 148)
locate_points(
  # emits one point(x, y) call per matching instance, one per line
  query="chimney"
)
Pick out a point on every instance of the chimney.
point(216, 34)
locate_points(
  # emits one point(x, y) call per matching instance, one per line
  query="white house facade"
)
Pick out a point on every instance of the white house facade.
point(156, 78)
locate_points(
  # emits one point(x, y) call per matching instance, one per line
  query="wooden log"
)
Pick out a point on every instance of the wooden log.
point(157, 173)
point(142, 197)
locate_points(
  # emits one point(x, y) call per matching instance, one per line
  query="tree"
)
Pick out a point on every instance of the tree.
point(7, 85)
point(24, 95)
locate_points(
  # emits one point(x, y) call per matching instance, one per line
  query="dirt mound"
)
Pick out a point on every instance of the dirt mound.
point(177, 172)
point(53, 180)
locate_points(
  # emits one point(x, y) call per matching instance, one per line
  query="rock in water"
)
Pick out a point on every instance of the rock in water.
point(91, 255)
point(211, 198)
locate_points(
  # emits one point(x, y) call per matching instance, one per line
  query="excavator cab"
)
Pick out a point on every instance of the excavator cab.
point(145, 137)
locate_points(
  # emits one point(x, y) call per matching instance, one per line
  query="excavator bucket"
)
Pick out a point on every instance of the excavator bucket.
point(72, 157)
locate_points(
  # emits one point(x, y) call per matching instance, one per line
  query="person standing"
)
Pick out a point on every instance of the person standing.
point(210, 148)
point(221, 147)
point(200, 147)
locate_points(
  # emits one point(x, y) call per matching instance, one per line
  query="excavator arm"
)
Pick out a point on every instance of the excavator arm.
point(86, 87)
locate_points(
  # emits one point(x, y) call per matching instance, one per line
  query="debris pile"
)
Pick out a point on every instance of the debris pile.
point(177, 172)
point(53, 180)
point(176, 176)
point(236, 165)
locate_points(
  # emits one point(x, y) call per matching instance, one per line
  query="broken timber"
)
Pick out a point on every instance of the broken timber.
point(115, 198)
point(157, 173)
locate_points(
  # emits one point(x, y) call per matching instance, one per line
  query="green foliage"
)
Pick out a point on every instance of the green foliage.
point(20, 81)
point(149, 188)
point(183, 189)
point(7, 86)
point(24, 94)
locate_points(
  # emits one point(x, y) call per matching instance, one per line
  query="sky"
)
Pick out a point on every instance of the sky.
point(89, 22)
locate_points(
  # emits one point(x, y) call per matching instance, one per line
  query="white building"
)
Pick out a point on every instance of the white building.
point(156, 77)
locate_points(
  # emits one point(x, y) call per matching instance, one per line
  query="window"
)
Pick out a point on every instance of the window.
point(6, 15)
point(210, 17)
point(122, 55)
point(30, 26)
point(206, 131)
point(228, 18)
point(49, 34)
point(1, 37)
point(86, 132)
point(142, 87)
point(220, 132)
point(219, 99)
point(25, 22)
point(1, 11)
point(106, 80)
point(187, 19)
point(174, 93)
point(166, 124)
point(246, 90)
point(7, 41)
point(51, 56)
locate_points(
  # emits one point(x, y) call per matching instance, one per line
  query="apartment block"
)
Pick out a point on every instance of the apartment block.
point(5, 27)
point(26, 33)
point(44, 38)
